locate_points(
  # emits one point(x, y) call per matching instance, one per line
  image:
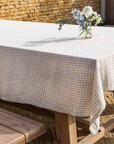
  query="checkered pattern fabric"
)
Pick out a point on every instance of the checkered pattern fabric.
point(61, 83)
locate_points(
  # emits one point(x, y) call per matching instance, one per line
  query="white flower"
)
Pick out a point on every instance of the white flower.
point(80, 13)
point(95, 13)
point(97, 17)
point(98, 21)
point(87, 11)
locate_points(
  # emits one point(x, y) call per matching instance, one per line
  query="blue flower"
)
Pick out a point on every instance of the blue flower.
point(83, 23)
point(73, 11)
point(77, 22)
point(75, 17)
point(81, 18)
point(78, 12)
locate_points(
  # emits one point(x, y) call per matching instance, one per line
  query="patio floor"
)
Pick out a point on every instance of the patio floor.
point(50, 136)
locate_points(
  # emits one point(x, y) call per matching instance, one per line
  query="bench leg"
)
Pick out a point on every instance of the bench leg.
point(65, 128)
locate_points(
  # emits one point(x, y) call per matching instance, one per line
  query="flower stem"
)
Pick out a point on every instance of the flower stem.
point(82, 32)
point(86, 34)
point(89, 32)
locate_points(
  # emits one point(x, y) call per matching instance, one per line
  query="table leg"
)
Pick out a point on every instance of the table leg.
point(65, 128)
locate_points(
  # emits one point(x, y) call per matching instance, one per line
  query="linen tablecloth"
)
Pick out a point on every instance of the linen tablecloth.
point(53, 69)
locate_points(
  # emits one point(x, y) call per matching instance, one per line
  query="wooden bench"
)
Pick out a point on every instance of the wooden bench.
point(16, 129)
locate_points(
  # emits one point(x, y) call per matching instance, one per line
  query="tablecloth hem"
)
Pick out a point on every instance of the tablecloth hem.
point(49, 107)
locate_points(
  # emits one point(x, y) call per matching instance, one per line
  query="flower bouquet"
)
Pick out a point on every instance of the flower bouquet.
point(85, 20)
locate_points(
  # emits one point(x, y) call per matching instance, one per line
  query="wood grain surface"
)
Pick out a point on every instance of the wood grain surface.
point(20, 127)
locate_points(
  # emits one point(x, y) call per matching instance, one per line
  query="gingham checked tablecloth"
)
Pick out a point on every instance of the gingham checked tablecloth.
point(53, 69)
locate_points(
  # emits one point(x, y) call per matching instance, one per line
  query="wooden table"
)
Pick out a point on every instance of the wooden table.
point(17, 37)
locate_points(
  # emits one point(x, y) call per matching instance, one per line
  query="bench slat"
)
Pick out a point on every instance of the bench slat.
point(31, 129)
point(8, 135)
